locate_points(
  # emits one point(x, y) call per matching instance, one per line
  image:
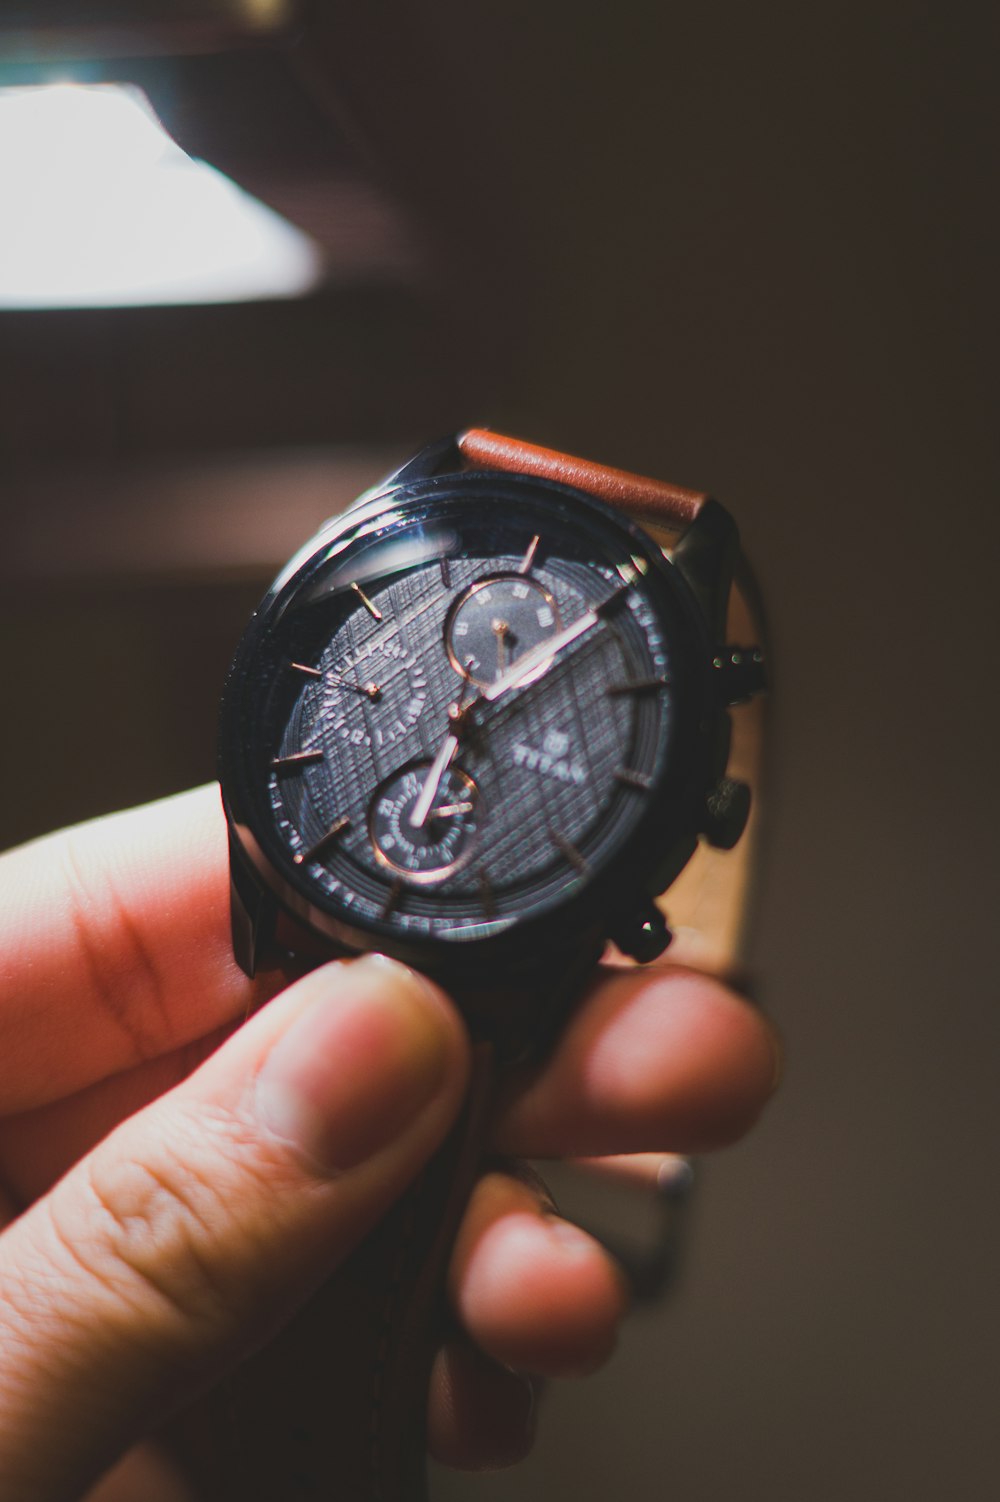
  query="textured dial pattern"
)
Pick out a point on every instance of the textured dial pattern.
point(372, 704)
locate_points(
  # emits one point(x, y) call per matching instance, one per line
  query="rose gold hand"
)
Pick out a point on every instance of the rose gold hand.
point(525, 666)
point(443, 760)
point(448, 810)
point(502, 631)
point(432, 782)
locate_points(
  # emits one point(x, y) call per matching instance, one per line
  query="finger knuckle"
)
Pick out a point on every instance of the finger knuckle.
point(115, 957)
point(153, 1229)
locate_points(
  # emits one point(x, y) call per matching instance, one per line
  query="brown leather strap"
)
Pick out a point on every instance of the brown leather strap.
point(670, 505)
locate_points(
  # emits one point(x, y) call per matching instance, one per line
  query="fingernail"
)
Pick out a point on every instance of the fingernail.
point(357, 1067)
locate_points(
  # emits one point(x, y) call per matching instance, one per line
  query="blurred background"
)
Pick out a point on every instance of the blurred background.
point(749, 248)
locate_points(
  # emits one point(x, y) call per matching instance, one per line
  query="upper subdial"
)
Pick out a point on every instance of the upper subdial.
point(494, 622)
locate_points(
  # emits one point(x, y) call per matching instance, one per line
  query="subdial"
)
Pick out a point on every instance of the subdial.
point(494, 622)
point(373, 700)
point(447, 838)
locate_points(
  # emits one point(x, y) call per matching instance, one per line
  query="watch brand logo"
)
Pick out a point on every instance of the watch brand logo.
point(552, 760)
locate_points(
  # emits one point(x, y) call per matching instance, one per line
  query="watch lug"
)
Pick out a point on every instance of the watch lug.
point(706, 557)
point(434, 459)
point(671, 864)
point(727, 809)
point(252, 913)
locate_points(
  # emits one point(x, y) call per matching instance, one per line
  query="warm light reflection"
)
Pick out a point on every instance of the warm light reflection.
point(99, 207)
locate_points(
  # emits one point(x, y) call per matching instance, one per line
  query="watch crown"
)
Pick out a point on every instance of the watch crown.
point(727, 808)
point(643, 934)
point(740, 673)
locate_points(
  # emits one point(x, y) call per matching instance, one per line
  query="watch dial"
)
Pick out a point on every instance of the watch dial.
point(458, 712)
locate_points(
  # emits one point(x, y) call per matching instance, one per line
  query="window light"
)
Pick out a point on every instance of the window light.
point(100, 208)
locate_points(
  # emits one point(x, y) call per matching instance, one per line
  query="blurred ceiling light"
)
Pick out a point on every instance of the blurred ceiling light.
point(100, 208)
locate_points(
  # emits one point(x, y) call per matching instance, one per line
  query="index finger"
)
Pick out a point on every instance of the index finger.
point(114, 947)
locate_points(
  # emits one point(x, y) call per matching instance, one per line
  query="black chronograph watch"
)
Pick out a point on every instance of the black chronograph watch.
point(481, 722)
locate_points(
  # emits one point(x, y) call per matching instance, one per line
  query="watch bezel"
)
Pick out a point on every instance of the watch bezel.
point(634, 873)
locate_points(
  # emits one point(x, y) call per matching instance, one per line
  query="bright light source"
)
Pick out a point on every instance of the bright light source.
point(100, 208)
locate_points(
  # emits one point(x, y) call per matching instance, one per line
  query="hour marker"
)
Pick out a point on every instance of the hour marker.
point(486, 895)
point(631, 571)
point(637, 686)
point(303, 667)
point(373, 610)
point(569, 850)
point(295, 759)
point(529, 556)
point(634, 779)
point(336, 828)
point(445, 567)
point(607, 605)
point(392, 900)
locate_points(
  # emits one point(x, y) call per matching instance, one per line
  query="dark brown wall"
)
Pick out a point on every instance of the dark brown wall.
point(751, 248)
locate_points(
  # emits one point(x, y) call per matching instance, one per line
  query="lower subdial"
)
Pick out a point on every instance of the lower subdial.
point(446, 839)
point(494, 622)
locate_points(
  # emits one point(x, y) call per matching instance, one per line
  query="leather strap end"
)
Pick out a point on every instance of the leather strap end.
point(670, 505)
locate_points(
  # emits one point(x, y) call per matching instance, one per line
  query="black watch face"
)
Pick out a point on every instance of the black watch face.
point(461, 711)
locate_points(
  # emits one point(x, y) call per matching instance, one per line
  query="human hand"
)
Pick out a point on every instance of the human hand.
point(176, 1184)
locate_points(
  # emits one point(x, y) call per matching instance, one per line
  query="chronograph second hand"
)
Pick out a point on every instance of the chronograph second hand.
point(457, 714)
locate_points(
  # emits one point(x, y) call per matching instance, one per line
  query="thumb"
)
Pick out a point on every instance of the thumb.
point(199, 1225)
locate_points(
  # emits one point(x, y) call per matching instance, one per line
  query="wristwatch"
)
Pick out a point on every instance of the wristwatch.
point(480, 722)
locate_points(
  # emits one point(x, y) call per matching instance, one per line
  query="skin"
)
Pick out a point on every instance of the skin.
point(122, 1012)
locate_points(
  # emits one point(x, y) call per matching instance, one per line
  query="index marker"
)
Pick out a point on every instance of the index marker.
point(637, 686)
point(373, 610)
point(633, 779)
point(393, 898)
point(634, 569)
point(295, 759)
point(578, 861)
point(337, 827)
point(529, 556)
point(610, 601)
point(486, 895)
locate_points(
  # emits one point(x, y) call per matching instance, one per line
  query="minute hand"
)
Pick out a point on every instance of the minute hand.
point(526, 665)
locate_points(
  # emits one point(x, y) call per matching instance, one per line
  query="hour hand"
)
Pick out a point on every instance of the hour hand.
point(429, 791)
point(458, 714)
